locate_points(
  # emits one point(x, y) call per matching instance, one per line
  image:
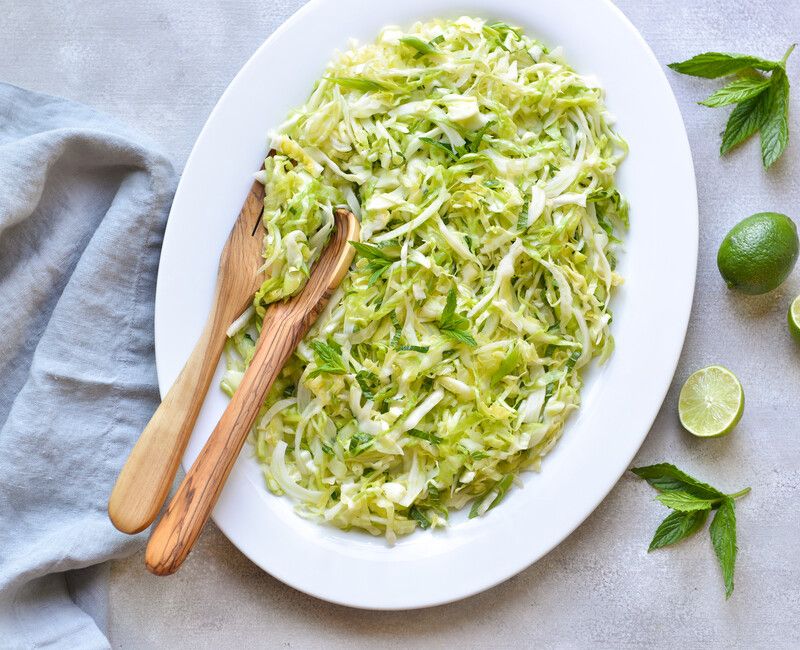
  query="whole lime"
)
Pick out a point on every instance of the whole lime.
point(759, 253)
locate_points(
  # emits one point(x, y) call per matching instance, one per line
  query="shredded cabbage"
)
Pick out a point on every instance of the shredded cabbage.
point(482, 169)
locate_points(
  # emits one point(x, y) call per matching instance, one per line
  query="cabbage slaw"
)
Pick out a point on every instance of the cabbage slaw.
point(482, 169)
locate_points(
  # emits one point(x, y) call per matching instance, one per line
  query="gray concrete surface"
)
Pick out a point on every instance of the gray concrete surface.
point(162, 64)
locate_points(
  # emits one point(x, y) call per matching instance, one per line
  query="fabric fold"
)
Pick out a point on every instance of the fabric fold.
point(83, 203)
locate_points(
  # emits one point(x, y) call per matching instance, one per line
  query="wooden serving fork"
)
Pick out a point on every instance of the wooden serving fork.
point(144, 482)
point(285, 324)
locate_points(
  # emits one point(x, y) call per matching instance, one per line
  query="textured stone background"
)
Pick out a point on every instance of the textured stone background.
point(162, 64)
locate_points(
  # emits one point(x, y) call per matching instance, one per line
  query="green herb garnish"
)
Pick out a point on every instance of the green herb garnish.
point(368, 382)
point(360, 442)
point(762, 102)
point(447, 148)
point(424, 435)
point(573, 359)
point(417, 515)
point(452, 324)
point(329, 359)
point(691, 502)
point(379, 260)
point(475, 144)
point(413, 348)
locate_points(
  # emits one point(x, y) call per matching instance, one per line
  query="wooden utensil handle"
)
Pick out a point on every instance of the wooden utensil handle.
point(284, 326)
point(175, 534)
point(144, 482)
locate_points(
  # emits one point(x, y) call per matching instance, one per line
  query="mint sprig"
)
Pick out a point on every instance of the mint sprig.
point(454, 325)
point(328, 356)
point(691, 502)
point(762, 102)
point(379, 260)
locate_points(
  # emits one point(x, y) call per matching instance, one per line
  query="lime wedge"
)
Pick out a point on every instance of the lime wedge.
point(711, 402)
point(794, 319)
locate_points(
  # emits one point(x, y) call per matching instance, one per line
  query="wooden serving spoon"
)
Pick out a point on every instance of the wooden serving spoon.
point(144, 482)
point(285, 324)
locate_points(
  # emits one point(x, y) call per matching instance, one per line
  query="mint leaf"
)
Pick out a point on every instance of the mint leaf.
point(573, 359)
point(449, 310)
point(737, 91)
point(745, 120)
point(762, 103)
point(475, 144)
point(668, 478)
point(460, 336)
point(454, 325)
point(368, 382)
point(723, 539)
point(377, 271)
point(413, 348)
point(424, 435)
point(677, 526)
point(379, 259)
point(360, 442)
point(329, 359)
point(691, 502)
point(397, 337)
point(775, 129)
point(371, 252)
point(448, 149)
point(417, 515)
point(398, 330)
point(711, 65)
point(685, 501)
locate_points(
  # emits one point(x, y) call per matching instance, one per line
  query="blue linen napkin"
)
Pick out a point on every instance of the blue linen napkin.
point(83, 202)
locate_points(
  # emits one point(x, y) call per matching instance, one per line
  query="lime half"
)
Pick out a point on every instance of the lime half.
point(711, 402)
point(794, 319)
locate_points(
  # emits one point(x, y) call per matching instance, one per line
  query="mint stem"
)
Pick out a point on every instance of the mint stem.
point(788, 53)
point(740, 493)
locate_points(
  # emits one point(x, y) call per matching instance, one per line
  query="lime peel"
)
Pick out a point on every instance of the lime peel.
point(794, 319)
point(759, 253)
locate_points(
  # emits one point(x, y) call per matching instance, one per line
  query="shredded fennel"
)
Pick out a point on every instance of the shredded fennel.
point(482, 169)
